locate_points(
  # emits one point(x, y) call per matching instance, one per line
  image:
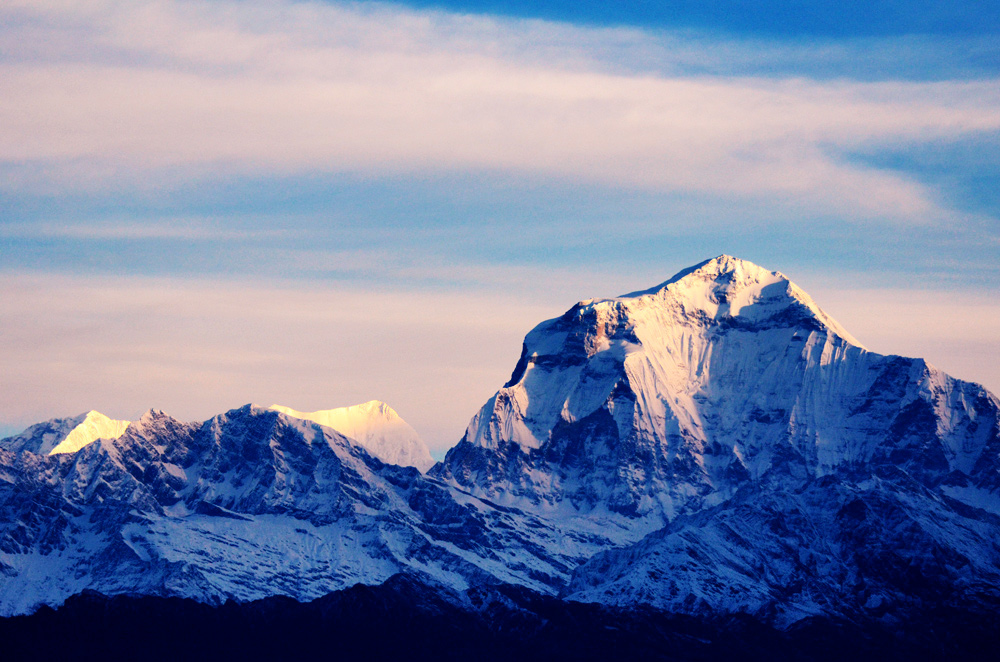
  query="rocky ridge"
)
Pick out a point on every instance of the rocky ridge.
point(248, 504)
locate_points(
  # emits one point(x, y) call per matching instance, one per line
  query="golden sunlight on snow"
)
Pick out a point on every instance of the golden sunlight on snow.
point(95, 426)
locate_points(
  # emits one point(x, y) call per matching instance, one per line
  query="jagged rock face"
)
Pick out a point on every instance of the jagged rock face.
point(248, 504)
point(668, 401)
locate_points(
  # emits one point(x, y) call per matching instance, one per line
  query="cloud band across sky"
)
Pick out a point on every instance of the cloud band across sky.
point(104, 94)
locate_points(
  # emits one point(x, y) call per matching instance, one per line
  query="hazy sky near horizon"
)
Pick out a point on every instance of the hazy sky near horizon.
point(206, 203)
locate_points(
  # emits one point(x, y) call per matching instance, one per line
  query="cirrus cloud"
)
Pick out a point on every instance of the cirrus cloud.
point(143, 94)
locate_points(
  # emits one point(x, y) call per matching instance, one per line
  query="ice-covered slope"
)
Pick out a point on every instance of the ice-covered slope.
point(377, 427)
point(668, 400)
point(773, 465)
point(66, 435)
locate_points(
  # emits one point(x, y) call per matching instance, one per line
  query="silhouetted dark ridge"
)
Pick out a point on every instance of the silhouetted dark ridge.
point(407, 620)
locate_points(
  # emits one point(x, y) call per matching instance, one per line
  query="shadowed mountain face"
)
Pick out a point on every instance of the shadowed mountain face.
point(715, 445)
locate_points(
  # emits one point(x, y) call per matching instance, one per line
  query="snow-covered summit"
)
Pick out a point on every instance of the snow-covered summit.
point(667, 400)
point(660, 341)
point(66, 435)
point(377, 427)
point(728, 287)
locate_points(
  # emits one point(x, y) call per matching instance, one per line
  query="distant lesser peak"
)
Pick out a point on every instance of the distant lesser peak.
point(377, 427)
point(67, 435)
point(94, 426)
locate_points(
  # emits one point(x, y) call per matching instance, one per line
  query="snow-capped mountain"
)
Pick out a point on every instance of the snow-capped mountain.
point(669, 400)
point(377, 427)
point(248, 504)
point(778, 467)
point(66, 435)
point(713, 445)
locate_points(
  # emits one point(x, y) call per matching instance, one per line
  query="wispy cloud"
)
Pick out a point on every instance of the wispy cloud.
point(187, 229)
point(97, 94)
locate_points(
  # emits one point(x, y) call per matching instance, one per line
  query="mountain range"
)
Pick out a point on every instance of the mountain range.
point(713, 447)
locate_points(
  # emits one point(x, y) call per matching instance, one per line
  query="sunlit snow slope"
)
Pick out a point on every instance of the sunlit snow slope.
point(67, 435)
point(377, 427)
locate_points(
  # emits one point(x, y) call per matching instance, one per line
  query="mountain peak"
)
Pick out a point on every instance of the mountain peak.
point(374, 408)
point(377, 427)
point(94, 426)
point(682, 379)
point(66, 435)
point(725, 269)
point(729, 287)
point(710, 447)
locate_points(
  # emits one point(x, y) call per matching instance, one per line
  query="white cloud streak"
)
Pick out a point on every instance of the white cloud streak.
point(98, 94)
point(187, 229)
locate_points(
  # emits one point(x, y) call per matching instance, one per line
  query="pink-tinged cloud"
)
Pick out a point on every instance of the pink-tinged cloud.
point(96, 94)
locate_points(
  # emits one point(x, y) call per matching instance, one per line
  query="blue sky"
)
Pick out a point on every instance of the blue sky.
point(785, 19)
point(207, 203)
